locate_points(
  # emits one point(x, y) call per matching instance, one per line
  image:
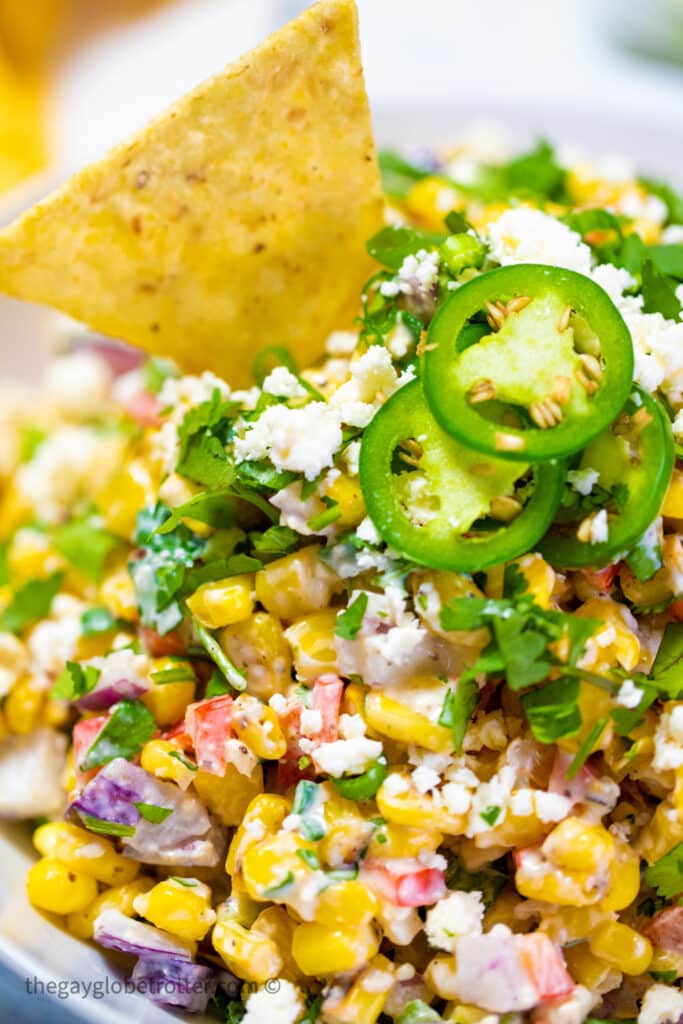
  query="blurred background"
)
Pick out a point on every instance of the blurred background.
point(76, 76)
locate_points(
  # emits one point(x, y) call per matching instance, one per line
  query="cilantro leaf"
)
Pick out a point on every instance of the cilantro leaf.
point(645, 559)
point(627, 719)
point(30, 602)
point(152, 812)
point(666, 874)
point(553, 710)
point(217, 685)
point(521, 649)
point(668, 195)
point(106, 828)
point(86, 545)
point(391, 245)
point(489, 880)
point(667, 669)
point(203, 436)
point(128, 728)
point(75, 681)
point(220, 569)
point(350, 621)
point(216, 509)
point(97, 620)
point(398, 174)
point(490, 815)
point(159, 573)
point(458, 708)
point(262, 476)
point(668, 259)
point(274, 542)
point(659, 292)
point(536, 171)
point(586, 748)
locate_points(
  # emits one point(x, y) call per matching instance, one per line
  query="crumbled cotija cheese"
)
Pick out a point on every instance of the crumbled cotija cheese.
point(301, 440)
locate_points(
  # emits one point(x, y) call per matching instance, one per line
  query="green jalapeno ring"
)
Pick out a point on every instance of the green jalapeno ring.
point(647, 486)
point(438, 544)
point(460, 416)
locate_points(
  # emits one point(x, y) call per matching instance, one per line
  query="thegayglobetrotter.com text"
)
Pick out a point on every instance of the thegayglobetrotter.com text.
point(100, 988)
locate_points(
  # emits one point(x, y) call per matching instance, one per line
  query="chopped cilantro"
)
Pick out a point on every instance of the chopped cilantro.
point(86, 545)
point(586, 748)
point(536, 171)
point(666, 874)
point(309, 858)
point(398, 174)
point(220, 569)
point(75, 681)
point(280, 888)
point(152, 812)
point(215, 508)
point(217, 685)
point(350, 621)
point(181, 674)
point(30, 602)
point(490, 815)
point(553, 710)
point(667, 669)
point(156, 371)
point(489, 880)
point(313, 1005)
point(107, 828)
point(97, 620)
point(235, 678)
point(645, 559)
point(128, 728)
point(177, 756)
point(659, 292)
point(275, 542)
point(32, 437)
point(391, 245)
point(458, 708)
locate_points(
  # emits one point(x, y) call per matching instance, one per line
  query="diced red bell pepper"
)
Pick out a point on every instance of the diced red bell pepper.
point(543, 962)
point(178, 734)
point(289, 771)
point(208, 723)
point(602, 579)
point(84, 734)
point(407, 883)
point(161, 646)
point(326, 698)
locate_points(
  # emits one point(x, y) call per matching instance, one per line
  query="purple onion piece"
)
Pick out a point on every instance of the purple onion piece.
point(111, 693)
point(114, 930)
point(171, 982)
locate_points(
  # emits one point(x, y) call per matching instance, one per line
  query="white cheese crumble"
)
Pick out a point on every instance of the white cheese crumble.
point(373, 379)
point(347, 756)
point(629, 695)
point(341, 343)
point(460, 913)
point(524, 235)
point(599, 531)
point(662, 1004)
point(583, 480)
point(79, 384)
point(311, 722)
point(425, 778)
point(673, 234)
point(351, 726)
point(61, 468)
point(418, 273)
point(282, 383)
point(283, 1005)
point(301, 440)
point(352, 458)
point(395, 784)
point(669, 740)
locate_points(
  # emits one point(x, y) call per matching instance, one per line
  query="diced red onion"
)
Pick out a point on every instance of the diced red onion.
point(114, 930)
point(171, 982)
point(111, 693)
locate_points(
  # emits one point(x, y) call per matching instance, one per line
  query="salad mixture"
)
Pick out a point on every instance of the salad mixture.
point(357, 695)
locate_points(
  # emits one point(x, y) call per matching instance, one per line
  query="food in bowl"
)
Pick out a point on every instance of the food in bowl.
point(369, 673)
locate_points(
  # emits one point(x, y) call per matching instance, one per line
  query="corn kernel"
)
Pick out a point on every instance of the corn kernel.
point(624, 647)
point(229, 796)
point(401, 841)
point(257, 725)
point(168, 701)
point(273, 869)
point(224, 602)
point(664, 831)
point(165, 760)
point(579, 845)
point(82, 851)
point(133, 488)
point(265, 814)
point(624, 883)
point(430, 199)
point(621, 947)
point(277, 925)
point(24, 706)
point(365, 999)
point(31, 556)
point(321, 951)
point(118, 596)
point(179, 906)
point(343, 903)
point(419, 810)
point(673, 500)
point(399, 722)
point(585, 968)
point(121, 897)
point(540, 578)
point(312, 641)
point(440, 976)
point(347, 493)
point(297, 584)
point(249, 954)
point(53, 886)
point(258, 646)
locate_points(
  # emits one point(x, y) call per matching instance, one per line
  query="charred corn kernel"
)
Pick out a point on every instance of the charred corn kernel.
point(540, 578)
point(391, 840)
point(346, 839)
point(118, 597)
point(258, 646)
point(440, 976)
point(179, 906)
point(585, 968)
point(365, 999)
point(664, 831)
point(82, 851)
point(224, 602)
point(31, 556)
point(132, 488)
point(430, 199)
point(312, 641)
point(120, 897)
point(229, 796)
point(418, 810)
point(248, 954)
point(624, 884)
point(621, 947)
point(53, 886)
point(345, 490)
point(263, 816)
point(579, 845)
point(166, 760)
point(239, 906)
point(277, 925)
point(539, 880)
point(673, 500)
point(320, 950)
point(24, 706)
point(258, 726)
point(273, 869)
point(344, 903)
point(297, 585)
point(399, 722)
point(616, 641)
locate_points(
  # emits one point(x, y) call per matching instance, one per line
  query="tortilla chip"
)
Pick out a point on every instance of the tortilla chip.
point(235, 221)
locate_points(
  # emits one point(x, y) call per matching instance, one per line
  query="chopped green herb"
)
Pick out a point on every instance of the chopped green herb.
point(107, 828)
point(177, 756)
point(324, 519)
point(128, 728)
point(553, 710)
point(75, 681)
point(97, 620)
point(181, 674)
point(275, 542)
point(391, 245)
point(489, 880)
point(667, 670)
point(30, 602)
point(217, 685)
point(235, 678)
point(586, 748)
point(490, 815)
point(280, 888)
point(666, 874)
point(156, 371)
point(398, 175)
point(153, 813)
point(86, 545)
point(458, 708)
point(350, 621)
point(309, 858)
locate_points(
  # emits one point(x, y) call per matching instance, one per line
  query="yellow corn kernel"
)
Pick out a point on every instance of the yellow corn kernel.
point(664, 831)
point(621, 947)
point(430, 199)
point(440, 976)
point(322, 951)
point(121, 897)
point(399, 722)
point(224, 602)
point(399, 841)
point(573, 924)
point(258, 646)
point(344, 903)
point(14, 660)
point(365, 999)
point(347, 837)
point(432, 590)
point(229, 796)
point(353, 701)
point(619, 630)
point(502, 911)
point(539, 881)
point(257, 725)
point(274, 864)
point(265, 813)
point(593, 704)
point(168, 701)
point(118, 596)
point(82, 851)
point(579, 845)
point(3, 726)
point(131, 489)
point(179, 906)
point(624, 883)
point(540, 578)
point(312, 641)
point(665, 960)
point(585, 968)
point(277, 925)
point(664, 584)
point(673, 500)
point(55, 714)
point(24, 706)
point(164, 759)
point(249, 954)
point(30, 556)
point(297, 584)
point(418, 810)
point(345, 490)
point(53, 886)
point(15, 509)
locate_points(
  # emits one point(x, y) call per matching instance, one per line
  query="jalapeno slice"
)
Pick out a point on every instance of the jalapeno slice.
point(634, 459)
point(553, 369)
point(443, 505)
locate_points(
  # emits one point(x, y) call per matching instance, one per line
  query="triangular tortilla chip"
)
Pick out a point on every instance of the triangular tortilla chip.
point(236, 220)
